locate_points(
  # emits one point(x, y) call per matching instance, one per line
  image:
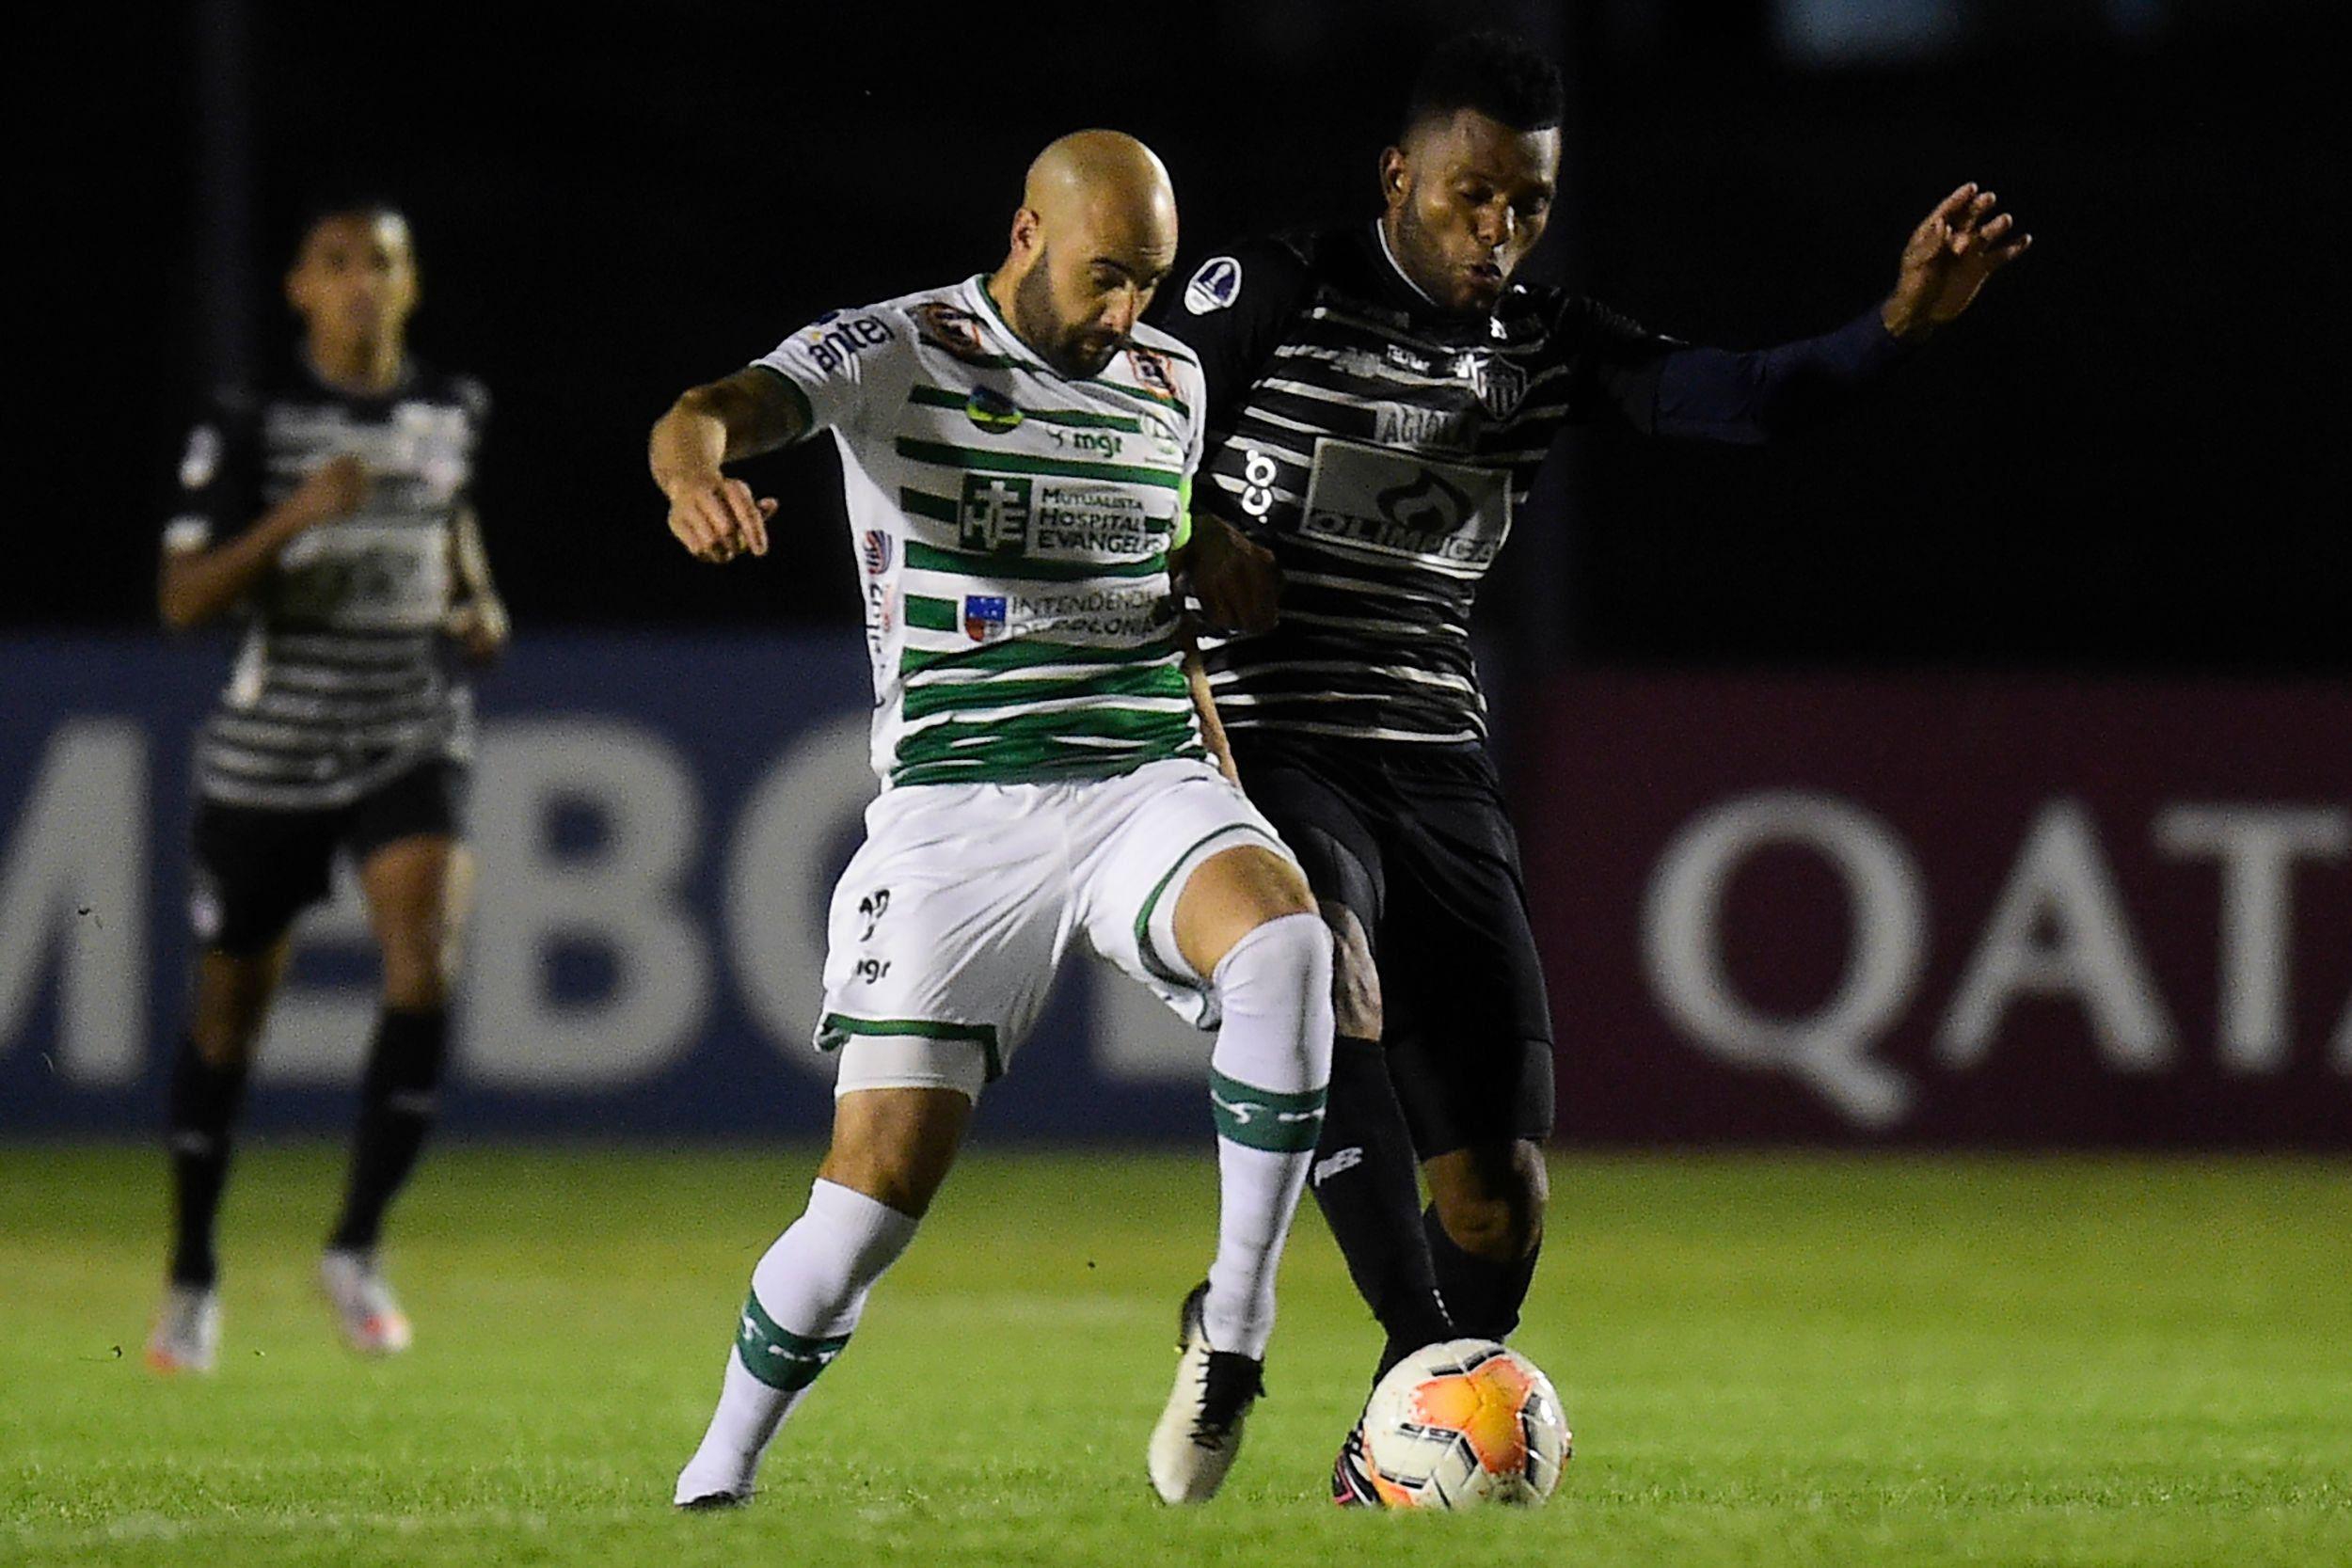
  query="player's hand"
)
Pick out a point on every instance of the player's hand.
point(334, 490)
point(479, 627)
point(1955, 248)
point(718, 518)
point(1236, 579)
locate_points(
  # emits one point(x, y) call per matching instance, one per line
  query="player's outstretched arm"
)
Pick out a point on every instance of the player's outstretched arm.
point(197, 586)
point(748, 413)
point(1211, 728)
point(1965, 240)
point(1764, 394)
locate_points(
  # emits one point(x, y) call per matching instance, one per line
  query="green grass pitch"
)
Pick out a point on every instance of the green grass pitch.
point(1767, 1361)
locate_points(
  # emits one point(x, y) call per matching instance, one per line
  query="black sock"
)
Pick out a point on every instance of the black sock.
point(1366, 1178)
point(202, 1112)
point(396, 1105)
point(1482, 1296)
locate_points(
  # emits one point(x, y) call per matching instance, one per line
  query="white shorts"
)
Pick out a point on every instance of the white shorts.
point(949, 924)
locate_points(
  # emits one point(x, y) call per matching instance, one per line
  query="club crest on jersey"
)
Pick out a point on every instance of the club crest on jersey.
point(1500, 384)
point(1153, 369)
point(874, 551)
point(1217, 285)
point(991, 410)
point(953, 329)
point(983, 617)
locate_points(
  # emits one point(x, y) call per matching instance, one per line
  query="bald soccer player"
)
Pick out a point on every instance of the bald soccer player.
point(1017, 452)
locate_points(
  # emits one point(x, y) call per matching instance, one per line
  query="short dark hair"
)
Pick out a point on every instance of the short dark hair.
point(342, 202)
point(1500, 75)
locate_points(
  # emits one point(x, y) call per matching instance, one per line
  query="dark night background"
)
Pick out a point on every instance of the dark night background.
point(2126, 458)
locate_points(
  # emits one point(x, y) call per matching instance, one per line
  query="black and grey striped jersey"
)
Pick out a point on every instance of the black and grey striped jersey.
point(340, 683)
point(1380, 447)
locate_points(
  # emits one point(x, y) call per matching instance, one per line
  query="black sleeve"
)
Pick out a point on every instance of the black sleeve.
point(1613, 364)
point(1231, 311)
point(220, 491)
point(1712, 394)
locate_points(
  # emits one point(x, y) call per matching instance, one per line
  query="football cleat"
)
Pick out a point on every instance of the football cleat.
point(365, 1307)
point(187, 1331)
point(1200, 1433)
point(704, 1485)
point(1351, 1477)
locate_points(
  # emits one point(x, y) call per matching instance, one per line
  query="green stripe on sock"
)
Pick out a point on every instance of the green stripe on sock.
point(777, 1357)
point(1264, 1118)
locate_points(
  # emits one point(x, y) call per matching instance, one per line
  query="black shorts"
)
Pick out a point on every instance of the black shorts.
point(256, 869)
point(1415, 842)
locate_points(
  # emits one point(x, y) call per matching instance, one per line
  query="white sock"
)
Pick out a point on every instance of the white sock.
point(1266, 1081)
point(806, 1298)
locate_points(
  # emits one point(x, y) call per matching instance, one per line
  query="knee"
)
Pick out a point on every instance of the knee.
point(1355, 979)
point(416, 968)
point(895, 1179)
point(223, 1038)
point(896, 1145)
point(1502, 1218)
point(1282, 970)
point(1280, 954)
point(232, 997)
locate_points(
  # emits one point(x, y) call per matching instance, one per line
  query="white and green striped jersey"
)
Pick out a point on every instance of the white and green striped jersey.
point(1013, 526)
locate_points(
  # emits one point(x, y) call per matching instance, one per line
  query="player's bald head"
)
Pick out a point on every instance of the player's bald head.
point(1104, 186)
point(1095, 234)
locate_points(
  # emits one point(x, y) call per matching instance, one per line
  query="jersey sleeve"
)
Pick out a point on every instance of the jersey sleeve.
point(1196, 444)
point(1614, 363)
point(842, 364)
point(218, 493)
point(1231, 312)
point(1757, 395)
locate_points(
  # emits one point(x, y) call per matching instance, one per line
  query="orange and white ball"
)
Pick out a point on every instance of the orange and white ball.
point(1462, 1423)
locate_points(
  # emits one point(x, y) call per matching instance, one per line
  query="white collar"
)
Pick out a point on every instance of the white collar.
point(1380, 233)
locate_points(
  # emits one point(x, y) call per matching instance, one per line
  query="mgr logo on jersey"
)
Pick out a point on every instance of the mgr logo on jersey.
point(994, 518)
point(874, 551)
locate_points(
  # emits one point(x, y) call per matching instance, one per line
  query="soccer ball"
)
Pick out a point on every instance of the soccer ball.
point(1461, 1423)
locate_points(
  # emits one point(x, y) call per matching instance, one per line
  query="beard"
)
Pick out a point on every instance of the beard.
point(1065, 348)
point(1424, 260)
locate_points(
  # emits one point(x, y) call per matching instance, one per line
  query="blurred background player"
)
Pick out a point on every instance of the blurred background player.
point(1017, 454)
point(1380, 399)
point(329, 509)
